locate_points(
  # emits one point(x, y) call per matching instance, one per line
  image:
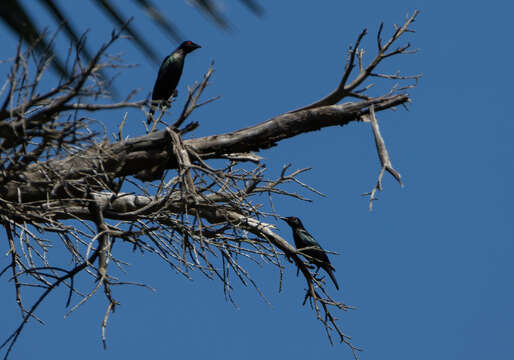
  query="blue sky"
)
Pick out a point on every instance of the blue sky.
point(430, 270)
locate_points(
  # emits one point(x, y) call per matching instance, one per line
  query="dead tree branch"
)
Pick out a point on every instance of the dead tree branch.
point(383, 155)
point(345, 89)
point(158, 193)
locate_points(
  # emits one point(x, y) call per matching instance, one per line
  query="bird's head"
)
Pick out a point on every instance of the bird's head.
point(293, 221)
point(189, 46)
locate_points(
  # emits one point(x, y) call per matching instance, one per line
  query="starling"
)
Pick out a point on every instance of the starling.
point(169, 75)
point(316, 254)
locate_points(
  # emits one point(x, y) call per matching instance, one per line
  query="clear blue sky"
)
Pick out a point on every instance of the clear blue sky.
point(430, 270)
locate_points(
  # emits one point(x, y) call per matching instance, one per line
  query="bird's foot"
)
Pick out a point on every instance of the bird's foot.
point(308, 296)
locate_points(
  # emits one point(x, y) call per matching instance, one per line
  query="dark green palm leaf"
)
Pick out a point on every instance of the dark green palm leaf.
point(17, 18)
point(210, 9)
point(254, 7)
point(68, 28)
point(164, 23)
point(116, 17)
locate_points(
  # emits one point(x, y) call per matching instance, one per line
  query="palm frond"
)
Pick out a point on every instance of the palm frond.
point(117, 18)
point(15, 17)
point(18, 19)
point(156, 15)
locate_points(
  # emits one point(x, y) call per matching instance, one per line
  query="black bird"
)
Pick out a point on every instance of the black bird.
point(302, 239)
point(169, 75)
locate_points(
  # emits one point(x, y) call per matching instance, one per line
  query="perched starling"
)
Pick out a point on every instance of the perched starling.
point(316, 254)
point(169, 75)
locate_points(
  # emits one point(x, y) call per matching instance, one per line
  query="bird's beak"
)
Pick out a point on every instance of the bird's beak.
point(284, 218)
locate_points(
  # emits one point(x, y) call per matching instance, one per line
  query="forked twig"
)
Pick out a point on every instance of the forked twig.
point(383, 155)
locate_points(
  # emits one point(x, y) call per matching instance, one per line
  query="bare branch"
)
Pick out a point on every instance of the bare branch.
point(383, 155)
point(64, 184)
point(344, 88)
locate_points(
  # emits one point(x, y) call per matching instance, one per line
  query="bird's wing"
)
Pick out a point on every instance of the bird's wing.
point(307, 239)
point(167, 79)
point(316, 254)
point(161, 68)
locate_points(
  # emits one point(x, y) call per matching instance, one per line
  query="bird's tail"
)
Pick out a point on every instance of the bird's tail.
point(330, 272)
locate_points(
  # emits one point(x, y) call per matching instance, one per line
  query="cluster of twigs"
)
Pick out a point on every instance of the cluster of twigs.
point(60, 185)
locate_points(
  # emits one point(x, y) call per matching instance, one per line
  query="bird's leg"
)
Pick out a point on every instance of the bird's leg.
point(319, 277)
point(317, 270)
point(307, 296)
point(316, 275)
point(167, 103)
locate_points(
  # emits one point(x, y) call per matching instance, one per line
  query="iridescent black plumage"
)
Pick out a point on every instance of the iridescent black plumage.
point(316, 254)
point(169, 75)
